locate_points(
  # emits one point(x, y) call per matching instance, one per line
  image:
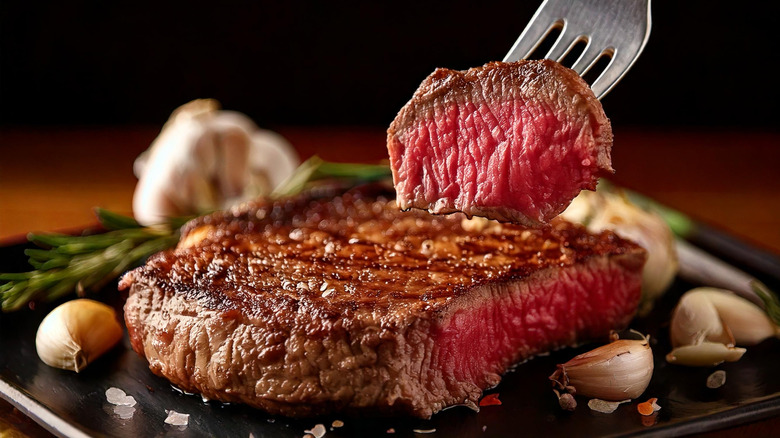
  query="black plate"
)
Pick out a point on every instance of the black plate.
point(70, 404)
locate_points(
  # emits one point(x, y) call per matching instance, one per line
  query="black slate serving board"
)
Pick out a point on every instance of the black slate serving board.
point(75, 405)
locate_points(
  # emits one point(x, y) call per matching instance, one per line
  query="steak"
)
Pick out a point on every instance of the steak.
point(510, 141)
point(313, 305)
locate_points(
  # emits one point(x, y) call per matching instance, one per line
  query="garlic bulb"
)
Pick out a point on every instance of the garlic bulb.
point(206, 159)
point(718, 315)
point(617, 371)
point(604, 210)
point(76, 333)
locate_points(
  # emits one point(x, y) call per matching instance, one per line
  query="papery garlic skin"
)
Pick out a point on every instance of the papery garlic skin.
point(206, 159)
point(617, 371)
point(603, 210)
point(76, 333)
point(718, 315)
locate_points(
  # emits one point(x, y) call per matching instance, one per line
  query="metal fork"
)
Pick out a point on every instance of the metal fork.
point(618, 29)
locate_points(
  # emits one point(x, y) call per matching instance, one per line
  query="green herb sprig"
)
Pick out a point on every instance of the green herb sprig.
point(771, 302)
point(65, 264)
point(316, 169)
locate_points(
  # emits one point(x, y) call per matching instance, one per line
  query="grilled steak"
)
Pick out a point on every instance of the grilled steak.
point(313, 305)
point(511, 141)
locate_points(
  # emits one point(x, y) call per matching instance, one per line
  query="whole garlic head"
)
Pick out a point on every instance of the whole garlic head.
point(206, 159)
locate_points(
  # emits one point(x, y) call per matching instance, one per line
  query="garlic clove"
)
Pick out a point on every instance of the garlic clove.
point(616, 371)
point(748, 323)
point(704, 354)
point(76, 333)
point(695, 319)
point(718, 315)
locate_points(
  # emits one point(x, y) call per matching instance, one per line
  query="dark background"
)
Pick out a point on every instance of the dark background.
point(708, 63)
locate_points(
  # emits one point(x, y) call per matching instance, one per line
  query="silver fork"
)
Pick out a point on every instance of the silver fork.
point(618, 29)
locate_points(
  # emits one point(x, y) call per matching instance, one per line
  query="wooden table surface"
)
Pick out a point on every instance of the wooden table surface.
point(51, 178)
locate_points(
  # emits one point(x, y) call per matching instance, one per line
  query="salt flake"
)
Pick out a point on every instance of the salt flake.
point(124, 412)
point(116, 396)
point(177, 418)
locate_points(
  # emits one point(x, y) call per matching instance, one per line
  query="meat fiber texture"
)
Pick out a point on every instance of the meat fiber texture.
point(346, 304)
point(509, 141)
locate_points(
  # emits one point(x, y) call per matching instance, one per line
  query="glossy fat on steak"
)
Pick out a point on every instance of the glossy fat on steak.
point(510, 141)
point(315, 305)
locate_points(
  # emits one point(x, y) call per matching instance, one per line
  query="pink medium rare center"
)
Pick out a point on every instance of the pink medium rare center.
point(508, 154)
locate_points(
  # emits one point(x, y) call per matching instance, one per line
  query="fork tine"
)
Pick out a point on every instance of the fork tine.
point(564, 44)
point(537, 29)
point(615, 28)
point(589, 56)
point(621, 62)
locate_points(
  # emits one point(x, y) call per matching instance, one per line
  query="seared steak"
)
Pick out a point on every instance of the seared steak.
point(510, 141)
point(312, 305)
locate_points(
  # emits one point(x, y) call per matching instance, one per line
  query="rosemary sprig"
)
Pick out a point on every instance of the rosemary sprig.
point(315, 169)
point(65, 264)
point(771, 302)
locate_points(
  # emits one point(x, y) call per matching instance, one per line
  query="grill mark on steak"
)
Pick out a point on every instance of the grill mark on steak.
point(511, 141)
point(418, 312)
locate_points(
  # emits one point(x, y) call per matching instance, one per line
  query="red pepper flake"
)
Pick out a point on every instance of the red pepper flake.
point(490, 400)
point(649, 407)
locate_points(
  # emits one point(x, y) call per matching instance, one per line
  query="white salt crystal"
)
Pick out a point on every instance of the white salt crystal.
point(124, 412)
point(116, 396)
point(177, 418)
point(128, 401)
